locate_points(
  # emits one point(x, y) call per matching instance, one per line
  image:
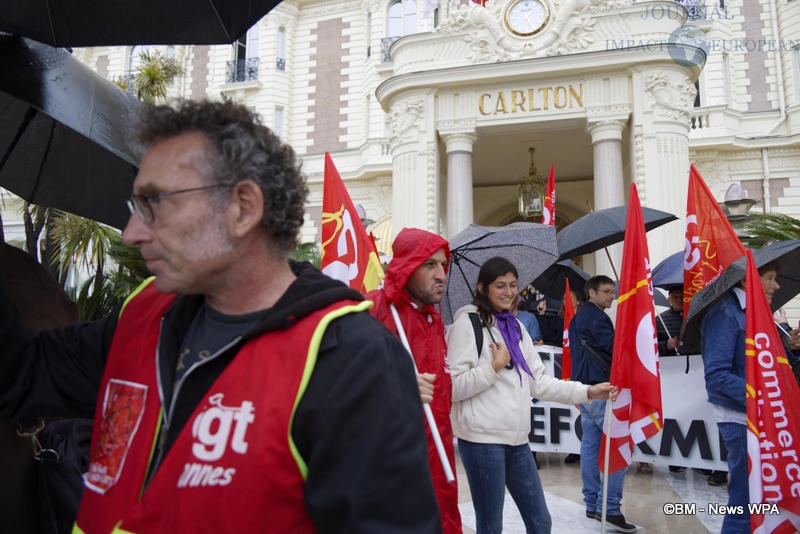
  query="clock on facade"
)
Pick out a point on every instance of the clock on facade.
point(527, 17)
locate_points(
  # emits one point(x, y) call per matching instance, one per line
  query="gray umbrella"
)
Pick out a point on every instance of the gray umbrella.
point(600, 228)
point(786, 253)
point(531, 247)
point(63, 133)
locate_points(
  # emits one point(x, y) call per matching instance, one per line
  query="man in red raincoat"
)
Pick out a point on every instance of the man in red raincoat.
point(414, 283)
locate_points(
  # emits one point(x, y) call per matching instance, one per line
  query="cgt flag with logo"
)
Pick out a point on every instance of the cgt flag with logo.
point(549, 214)
point(773, 425)
point(711, 243)
point(636, 413)
point(569, 313)
point(348, 253)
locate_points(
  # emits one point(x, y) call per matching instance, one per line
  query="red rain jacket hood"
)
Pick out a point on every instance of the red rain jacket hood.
point(411, 248)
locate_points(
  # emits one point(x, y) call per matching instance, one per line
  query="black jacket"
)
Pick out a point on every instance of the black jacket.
point(359, 425)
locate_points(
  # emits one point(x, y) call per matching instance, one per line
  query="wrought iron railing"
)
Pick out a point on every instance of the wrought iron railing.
point(386, 42)
point(241, 70)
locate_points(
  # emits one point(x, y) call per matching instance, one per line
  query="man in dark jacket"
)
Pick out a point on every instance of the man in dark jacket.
point(668, 323)
point(236, 390)
point(591, 343)
point(414, 284)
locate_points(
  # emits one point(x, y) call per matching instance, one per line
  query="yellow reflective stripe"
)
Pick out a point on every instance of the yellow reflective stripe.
point(311, 361)
point(118, 530)
point(135, 292)
point(152, 451)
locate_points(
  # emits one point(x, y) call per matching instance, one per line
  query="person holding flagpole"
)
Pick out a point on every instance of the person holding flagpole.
point(591, 343)
point(722, 340)
point(494, 378)
point(413, 286)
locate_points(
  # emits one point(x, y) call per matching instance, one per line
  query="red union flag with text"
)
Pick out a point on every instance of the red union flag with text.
point(773, 424)
point(711, 243)
point(348, 253)
point(549, 214)
point(636, 414)
point(569, 313)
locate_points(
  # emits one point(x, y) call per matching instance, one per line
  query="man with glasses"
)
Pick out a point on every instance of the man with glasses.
point(236, 390)
point(591, 343)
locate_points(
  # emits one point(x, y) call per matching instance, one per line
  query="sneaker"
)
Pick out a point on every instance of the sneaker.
point(593, 515)
point(677, 468)
point(717, 478)
point(572, 458)
point(619, 523)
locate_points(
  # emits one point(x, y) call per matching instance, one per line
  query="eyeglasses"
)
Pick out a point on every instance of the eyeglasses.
point(142, 204)
point(608, 291)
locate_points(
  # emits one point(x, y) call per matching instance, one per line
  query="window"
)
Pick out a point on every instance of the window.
point(244, 66)
point(278, 121)
point(280, 49)
point(401, 18)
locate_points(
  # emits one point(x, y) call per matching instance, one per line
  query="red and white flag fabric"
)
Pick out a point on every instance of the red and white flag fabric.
point(569, 313)
point(773, 423)
point(636, 414)
point(348, 253)
point(549, 213)
point(711, 242)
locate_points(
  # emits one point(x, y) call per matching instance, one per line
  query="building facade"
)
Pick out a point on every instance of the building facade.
point(430, 110)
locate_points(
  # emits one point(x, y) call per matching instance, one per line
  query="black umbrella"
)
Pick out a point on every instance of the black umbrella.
point(551, 282)
point(531, 247)
point(786, 253)
point(63, 133)
point(132, 22)
point(669, 271)
point(598, 229)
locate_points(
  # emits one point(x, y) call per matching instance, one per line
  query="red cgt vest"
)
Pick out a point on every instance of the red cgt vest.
point(233, 467)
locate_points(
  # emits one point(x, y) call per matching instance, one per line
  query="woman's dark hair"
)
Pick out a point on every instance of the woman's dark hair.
point(491, 270)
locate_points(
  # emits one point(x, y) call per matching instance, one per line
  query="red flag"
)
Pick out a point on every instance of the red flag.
point(569, 313)
point(549, 214)
point(636, 414)
point(348, 253)
point(711, 242)
point(773, 424)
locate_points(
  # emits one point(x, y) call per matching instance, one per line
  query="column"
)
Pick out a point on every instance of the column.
point(460, 213)
point(609, 185)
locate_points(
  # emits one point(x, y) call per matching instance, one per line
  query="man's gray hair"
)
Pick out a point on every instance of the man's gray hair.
point(243, 149)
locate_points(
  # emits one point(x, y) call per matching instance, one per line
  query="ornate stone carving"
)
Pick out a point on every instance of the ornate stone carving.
point(671, 100)
point(572, 30)
point(404, 117)
point(487, 41)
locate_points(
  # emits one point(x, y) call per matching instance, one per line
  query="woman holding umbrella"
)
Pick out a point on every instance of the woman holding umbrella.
point(494, 378)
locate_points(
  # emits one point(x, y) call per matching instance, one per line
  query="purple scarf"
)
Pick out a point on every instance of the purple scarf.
point(512, 335)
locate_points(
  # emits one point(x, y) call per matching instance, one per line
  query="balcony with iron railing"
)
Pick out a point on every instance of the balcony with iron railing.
point(705, 9)
point(241, 70)
point(386, 43)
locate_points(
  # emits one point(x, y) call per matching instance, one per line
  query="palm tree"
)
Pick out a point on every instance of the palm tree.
point(767, 227)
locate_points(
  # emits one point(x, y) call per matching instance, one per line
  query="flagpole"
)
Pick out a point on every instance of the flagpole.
point(669, 336)
point(426, 407)
point(607, 422)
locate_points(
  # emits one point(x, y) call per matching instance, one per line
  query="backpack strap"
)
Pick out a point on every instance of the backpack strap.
point(476, 326)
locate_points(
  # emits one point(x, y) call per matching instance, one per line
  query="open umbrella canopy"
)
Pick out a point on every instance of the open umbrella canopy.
point(531, 247)
point(786, 253)
point(598, 229)
point(63, 133)
point(669, 271)
point(551, 282)
point(132, 22)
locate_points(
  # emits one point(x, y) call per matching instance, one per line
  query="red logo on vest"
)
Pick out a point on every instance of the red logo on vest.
point(123, 407)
